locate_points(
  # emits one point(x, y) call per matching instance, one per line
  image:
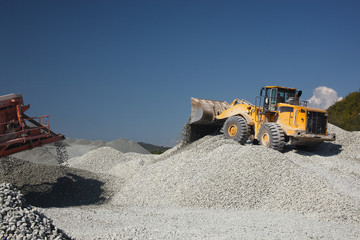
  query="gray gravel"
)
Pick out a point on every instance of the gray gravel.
point(21, 221)
point(218, 189)
point(195, 223)
point(76, 148)
point(218, 173)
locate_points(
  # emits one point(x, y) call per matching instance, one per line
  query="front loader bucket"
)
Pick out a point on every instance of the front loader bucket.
point(205, 111)
point(203, 119)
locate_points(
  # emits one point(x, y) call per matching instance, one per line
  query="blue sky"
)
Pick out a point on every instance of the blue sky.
point(127, 69)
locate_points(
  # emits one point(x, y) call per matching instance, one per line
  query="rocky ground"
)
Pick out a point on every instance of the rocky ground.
point(210, 189)
point(20, 221)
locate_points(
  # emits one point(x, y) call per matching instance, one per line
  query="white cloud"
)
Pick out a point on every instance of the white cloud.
point(323, 97)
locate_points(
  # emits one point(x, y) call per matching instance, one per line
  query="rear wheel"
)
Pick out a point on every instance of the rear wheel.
point(235, 127)
point(271, 135)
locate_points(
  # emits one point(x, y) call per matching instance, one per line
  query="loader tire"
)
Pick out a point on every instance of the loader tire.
point(235, 127)
point(271, 135)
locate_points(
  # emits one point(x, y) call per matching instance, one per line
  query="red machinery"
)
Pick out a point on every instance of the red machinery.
point(18, 132)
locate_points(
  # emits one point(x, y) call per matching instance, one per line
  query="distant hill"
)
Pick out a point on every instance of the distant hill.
point(154, 149)
point(346, 113)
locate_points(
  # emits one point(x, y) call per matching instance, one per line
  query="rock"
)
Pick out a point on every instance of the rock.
point(19, 219)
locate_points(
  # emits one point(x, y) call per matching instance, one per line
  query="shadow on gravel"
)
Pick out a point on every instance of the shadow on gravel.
point(324, 149)
point(67, 191)
point(52, 186)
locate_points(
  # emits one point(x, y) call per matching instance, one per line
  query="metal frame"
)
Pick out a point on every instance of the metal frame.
point(27, 132)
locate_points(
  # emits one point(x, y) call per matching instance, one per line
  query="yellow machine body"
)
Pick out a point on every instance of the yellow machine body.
point(301, 125)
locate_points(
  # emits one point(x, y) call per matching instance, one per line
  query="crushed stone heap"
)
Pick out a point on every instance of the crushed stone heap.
point(219, 173)
point(21, 221)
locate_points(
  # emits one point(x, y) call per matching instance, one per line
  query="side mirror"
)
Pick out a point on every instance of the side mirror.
point(261, 91)
point(267, 100)
point(299, 94)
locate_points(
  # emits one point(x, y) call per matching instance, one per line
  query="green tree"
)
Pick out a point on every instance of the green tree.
point(346, 113)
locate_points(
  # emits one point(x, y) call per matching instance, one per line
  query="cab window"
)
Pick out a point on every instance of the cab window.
point(283, 95)
point(273, 96)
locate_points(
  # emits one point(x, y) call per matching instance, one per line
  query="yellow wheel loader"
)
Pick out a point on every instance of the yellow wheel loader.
point(277, 118)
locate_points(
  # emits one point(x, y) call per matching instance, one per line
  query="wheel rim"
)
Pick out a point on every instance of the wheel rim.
point(232, 130)
point(265, 139)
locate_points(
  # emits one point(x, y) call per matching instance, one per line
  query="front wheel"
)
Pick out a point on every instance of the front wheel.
point(271, 135)
point(236, 128)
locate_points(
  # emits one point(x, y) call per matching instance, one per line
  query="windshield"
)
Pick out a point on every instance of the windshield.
point(283, 95)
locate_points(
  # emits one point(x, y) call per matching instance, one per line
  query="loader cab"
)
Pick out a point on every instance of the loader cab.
point(273, 95)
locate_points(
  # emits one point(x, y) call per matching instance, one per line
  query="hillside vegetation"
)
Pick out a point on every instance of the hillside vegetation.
point(346, 113)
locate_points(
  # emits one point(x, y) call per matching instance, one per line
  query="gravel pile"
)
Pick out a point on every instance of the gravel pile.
point(125, 146)
point(242, 190)
point(107, 160)
point(347, 143)
point(217, 173)
point(100, 160)
point(21, 221)
point(76, 148)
